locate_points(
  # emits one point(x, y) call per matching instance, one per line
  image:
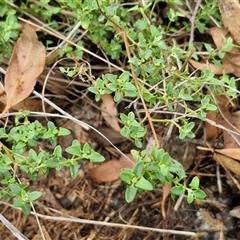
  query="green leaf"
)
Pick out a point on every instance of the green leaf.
point(51, 125)
point(75, 149)
point(96, 157)
point(141, 24)
point(49, 134)
point(15, 188)
point(166, 159)
point(118, 96)
point(86, 148)
point(74, 170)
point(144, 184)
point(23, 205)
point(199, 194)
point(57, 151)
point(190, 197)
point(138, 143)
point(125, 132)
point(32, 154)
point(164, 170)
point(52, 162)
point(126, 175)
point(124, 77)
point(130, 193)
point(63, 132)
point(138, 168)
point(177, 190)
point(34, 195)
point(211, 107)
point(194, 183)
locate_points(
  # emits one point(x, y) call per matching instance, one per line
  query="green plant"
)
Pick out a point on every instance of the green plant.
point(156, 75)
point(132, 128)
point(121, 86)
point(19, 153)
point(154, 169)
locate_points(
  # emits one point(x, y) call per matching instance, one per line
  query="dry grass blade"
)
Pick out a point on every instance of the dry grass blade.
point(117, 225)
point(14, 230)
point(25, 65)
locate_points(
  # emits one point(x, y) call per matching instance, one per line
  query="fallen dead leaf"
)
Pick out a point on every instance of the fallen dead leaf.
point(230, 11)
point(231, 60)
point(25, 65)
point(109, 171)
point(230, 122)
point(227, 119)
point(166, 191)
point(227, 162)
point(109, 111)
point(209, 66)
point(29, 104)
point(230, 152)
point(212, 132)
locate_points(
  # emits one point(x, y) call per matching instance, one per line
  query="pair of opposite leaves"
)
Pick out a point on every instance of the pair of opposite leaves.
point(26, 64)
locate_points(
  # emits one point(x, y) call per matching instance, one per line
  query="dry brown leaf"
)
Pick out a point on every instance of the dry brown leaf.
point(125, 162)
point(25, 66)
point(227, 162)
point(231, 60)
point(109, 171)
point(218, 35)
point(29, 104)
point(166, 191)
point(109, 111)
point(228, 120)
point(230, 152)
point(231, 122)
point(212, 132)
point(230, 11)
point(203, 65)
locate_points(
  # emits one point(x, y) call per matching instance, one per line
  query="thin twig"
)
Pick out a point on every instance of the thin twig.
point(192, 20)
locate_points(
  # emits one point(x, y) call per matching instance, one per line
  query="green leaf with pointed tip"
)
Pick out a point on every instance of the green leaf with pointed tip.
point(144, 184)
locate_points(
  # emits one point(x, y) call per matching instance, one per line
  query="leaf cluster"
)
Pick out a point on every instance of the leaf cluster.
point(20, 152)
point(154, 169)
